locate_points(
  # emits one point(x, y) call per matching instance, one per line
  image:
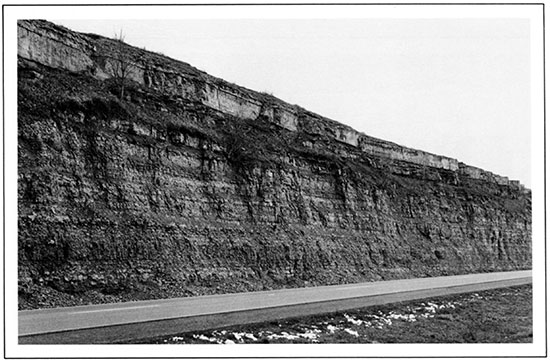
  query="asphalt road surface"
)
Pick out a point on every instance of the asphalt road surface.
point(109, 322)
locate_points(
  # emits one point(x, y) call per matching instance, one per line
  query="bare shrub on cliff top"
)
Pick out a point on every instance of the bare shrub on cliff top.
point(121, 65)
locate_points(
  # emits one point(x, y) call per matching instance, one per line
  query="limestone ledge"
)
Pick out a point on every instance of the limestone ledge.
point(58, 47)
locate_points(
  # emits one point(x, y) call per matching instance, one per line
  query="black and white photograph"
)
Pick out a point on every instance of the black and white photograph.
point(319, 180)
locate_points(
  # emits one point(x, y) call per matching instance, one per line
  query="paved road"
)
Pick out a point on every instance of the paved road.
point(57, 320)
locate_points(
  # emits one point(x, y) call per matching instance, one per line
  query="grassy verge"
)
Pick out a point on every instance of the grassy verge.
point(494, 316)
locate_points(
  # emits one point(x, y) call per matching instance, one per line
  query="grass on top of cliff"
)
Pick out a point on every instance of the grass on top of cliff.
point(494, 316)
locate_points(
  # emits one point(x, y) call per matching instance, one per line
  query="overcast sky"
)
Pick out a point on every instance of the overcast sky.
point(455, 87)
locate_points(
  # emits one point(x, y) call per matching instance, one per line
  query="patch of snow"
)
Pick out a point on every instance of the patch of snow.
point(250, 336)
point(284, 335)
point(310, 334)
point(352, 332)
point(398, 316)
point(206, 338)
point(352, 320)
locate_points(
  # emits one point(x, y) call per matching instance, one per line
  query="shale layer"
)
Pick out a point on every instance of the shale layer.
point(189, 185)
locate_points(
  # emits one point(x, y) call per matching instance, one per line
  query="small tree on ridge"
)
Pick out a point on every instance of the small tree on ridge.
point(122, 64)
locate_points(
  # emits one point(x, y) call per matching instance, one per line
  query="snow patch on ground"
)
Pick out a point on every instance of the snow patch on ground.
point(351, 332)
point(349, 323)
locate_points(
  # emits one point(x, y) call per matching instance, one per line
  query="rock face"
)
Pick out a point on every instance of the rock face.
point(191, 185)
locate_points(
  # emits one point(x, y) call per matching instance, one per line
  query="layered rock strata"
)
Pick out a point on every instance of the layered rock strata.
point(191, 185)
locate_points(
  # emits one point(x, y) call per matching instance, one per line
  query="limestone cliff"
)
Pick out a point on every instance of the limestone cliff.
point(191, 185)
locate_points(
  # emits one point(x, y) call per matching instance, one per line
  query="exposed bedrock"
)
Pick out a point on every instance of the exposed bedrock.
point(158, 195)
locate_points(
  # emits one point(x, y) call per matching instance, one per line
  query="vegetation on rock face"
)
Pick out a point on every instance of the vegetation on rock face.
point(151, 196)
point(121, 64)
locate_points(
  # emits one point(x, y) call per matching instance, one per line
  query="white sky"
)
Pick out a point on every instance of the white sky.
point(455, 87)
